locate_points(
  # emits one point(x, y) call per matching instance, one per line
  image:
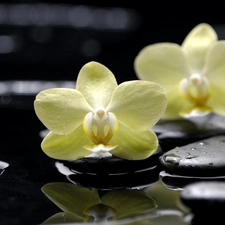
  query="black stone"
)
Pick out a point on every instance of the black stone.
point(203, 158)
point(112, 165)
point(206, 200)
point(178, 182)
point(129, 180)
point(173, 133)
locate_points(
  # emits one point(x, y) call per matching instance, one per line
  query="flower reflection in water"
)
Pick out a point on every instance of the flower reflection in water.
point(81, 205)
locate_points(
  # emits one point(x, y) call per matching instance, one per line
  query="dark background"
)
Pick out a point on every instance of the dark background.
point(59, 48)
point(34, 46)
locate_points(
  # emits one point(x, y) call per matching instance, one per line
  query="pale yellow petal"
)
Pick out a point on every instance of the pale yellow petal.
point(197, 43)
point(61, 110)
point(163, 63)
point(215, 72)
point(66, 147)
point(97, 83)
point(217, 100)
point(132, 144)
point(176, 104)
point(214, 68)
point(138, 104)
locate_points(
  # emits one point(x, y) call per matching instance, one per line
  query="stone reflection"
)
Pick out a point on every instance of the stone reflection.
point(3, 166)
point(83, 205)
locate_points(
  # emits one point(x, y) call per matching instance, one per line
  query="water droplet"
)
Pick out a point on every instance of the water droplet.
point(172, 159)
point(192, 149)
point(201, 143)
point(191, 156)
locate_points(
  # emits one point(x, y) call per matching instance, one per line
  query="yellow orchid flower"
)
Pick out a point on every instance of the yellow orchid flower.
point(192, 74)
point(100, 117)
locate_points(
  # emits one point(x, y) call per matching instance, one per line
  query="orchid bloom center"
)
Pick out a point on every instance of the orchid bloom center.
point(196, 89)
point(100, 126)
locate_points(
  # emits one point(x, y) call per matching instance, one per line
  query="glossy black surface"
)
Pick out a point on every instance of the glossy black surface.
point(57, 49)
point(22, 201)
point(24, 168)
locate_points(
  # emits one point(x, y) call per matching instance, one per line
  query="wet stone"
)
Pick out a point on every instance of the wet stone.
point(204, 198)
point(185, 131)
point(178, 182)
point(112, 165)
point(138, 180)
point(203, 158)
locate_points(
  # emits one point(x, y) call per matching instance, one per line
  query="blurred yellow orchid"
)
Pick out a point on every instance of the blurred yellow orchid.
point(192, 75)
point(100, 118)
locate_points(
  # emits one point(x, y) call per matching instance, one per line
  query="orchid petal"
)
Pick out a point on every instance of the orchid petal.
point(138, 104)
point(216, 101)
point(63, 218)
point(197, 43)
point(66, 147)
point(99, 148)
point(132, 144)
point(61, 110)
point(215, 72)
point(196, 111)
point(215, 67)
point(176, 104)
point(97, 83)
point(163, 63)
point(129, 202)
point(71, 198)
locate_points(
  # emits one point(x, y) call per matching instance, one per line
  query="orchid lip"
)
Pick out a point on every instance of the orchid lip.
point(196, 89)
point(100, 126)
